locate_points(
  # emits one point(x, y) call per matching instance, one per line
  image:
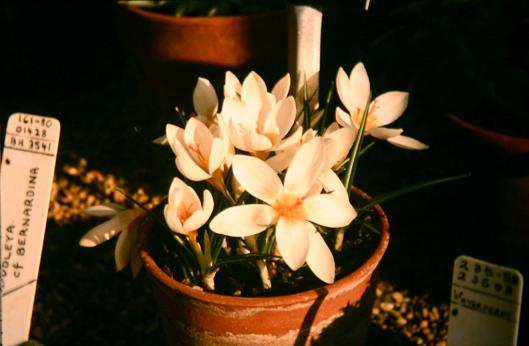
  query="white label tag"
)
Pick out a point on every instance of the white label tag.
point(28, 163)
point(485, 304)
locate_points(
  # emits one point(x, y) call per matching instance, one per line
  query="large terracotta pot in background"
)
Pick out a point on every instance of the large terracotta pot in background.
point(228, 41)
point(334, 314)
point(169, 53)
point(506, 162)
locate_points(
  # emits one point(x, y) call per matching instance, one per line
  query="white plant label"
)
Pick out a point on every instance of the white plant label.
point(28, 163)
point(485, 304)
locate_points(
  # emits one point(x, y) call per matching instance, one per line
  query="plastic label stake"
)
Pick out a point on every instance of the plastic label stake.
point(28, 163)
point(485, 304)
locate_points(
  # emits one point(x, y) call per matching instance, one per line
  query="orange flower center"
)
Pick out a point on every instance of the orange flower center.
point(287, 205)
point(371, 116)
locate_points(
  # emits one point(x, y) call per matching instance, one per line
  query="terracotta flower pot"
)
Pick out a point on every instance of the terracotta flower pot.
point(336, 313)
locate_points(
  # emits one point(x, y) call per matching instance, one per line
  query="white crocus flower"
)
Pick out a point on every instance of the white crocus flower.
point(257, 121)
point(124, 222)
point(291, 206)
point(184, 213)
point(199, 154)
point(354, 90)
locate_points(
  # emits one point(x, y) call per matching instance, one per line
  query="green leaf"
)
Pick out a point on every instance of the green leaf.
point(408, 189)
point(241, 258)
point(353, 163)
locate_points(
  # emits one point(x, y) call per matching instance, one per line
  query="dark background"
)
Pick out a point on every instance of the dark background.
point(467, 57)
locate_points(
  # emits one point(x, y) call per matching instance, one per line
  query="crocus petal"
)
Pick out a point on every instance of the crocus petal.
point(232, 86)
point(343, 118)
point(258, 178)
point(253, 91)
point(170, 213)
point(329, 210)
point(345, 90)
point(252, 141)
point(105, 210)
point(173, 134)
point(198, 134)
point(187, 166)
point(405, 142)
point(207, 203)
point(162, 140)
point(243, 220)
point(180, 192)
point(102, 232)
point(292, 238)
point(294, 139)
point(135, 261)
point(344, 139)
point(384, 133)
point(360, 83)
point(332, 184)
point(122, 251)
point(320, 259)
point(280, 161)
point(388, 107)
point(205, 98)
point(195, 221)
point(281, 117)
point(280, 90)
point(307, 166)
point(216, 155)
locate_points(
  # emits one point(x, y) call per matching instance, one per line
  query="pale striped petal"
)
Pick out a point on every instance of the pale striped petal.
point(187, 166)
point(361, 87)
point(280, 161)
point(344, 139)
point(243, 220)
point(101, 232)
point(307, 166)
point(292, 237)
point(257, 177)
point(207, 203)
point(405, 142)
point(281, 118)
point(216, 154)
point(320, 259)
point(232, 86)
point(343, 118)
point(388, 107)
point(104, 210)
point(332, 184)
point(329, 210)
point(170, 213)
point(281, 88)
point(205, 98)
point(384, 133)
point(195, 221)
point(122, 251)
point(345, 90)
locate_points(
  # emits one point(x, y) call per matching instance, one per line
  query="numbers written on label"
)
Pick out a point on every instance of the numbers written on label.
point(484, 277)
point(35, 145)
point(29, 131)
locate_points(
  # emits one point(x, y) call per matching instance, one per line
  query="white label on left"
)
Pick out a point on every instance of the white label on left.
point(28, 164)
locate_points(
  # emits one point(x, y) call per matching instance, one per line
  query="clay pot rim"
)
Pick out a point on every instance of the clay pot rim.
point(510, 145)
point(223, 20)
point(295, 298)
